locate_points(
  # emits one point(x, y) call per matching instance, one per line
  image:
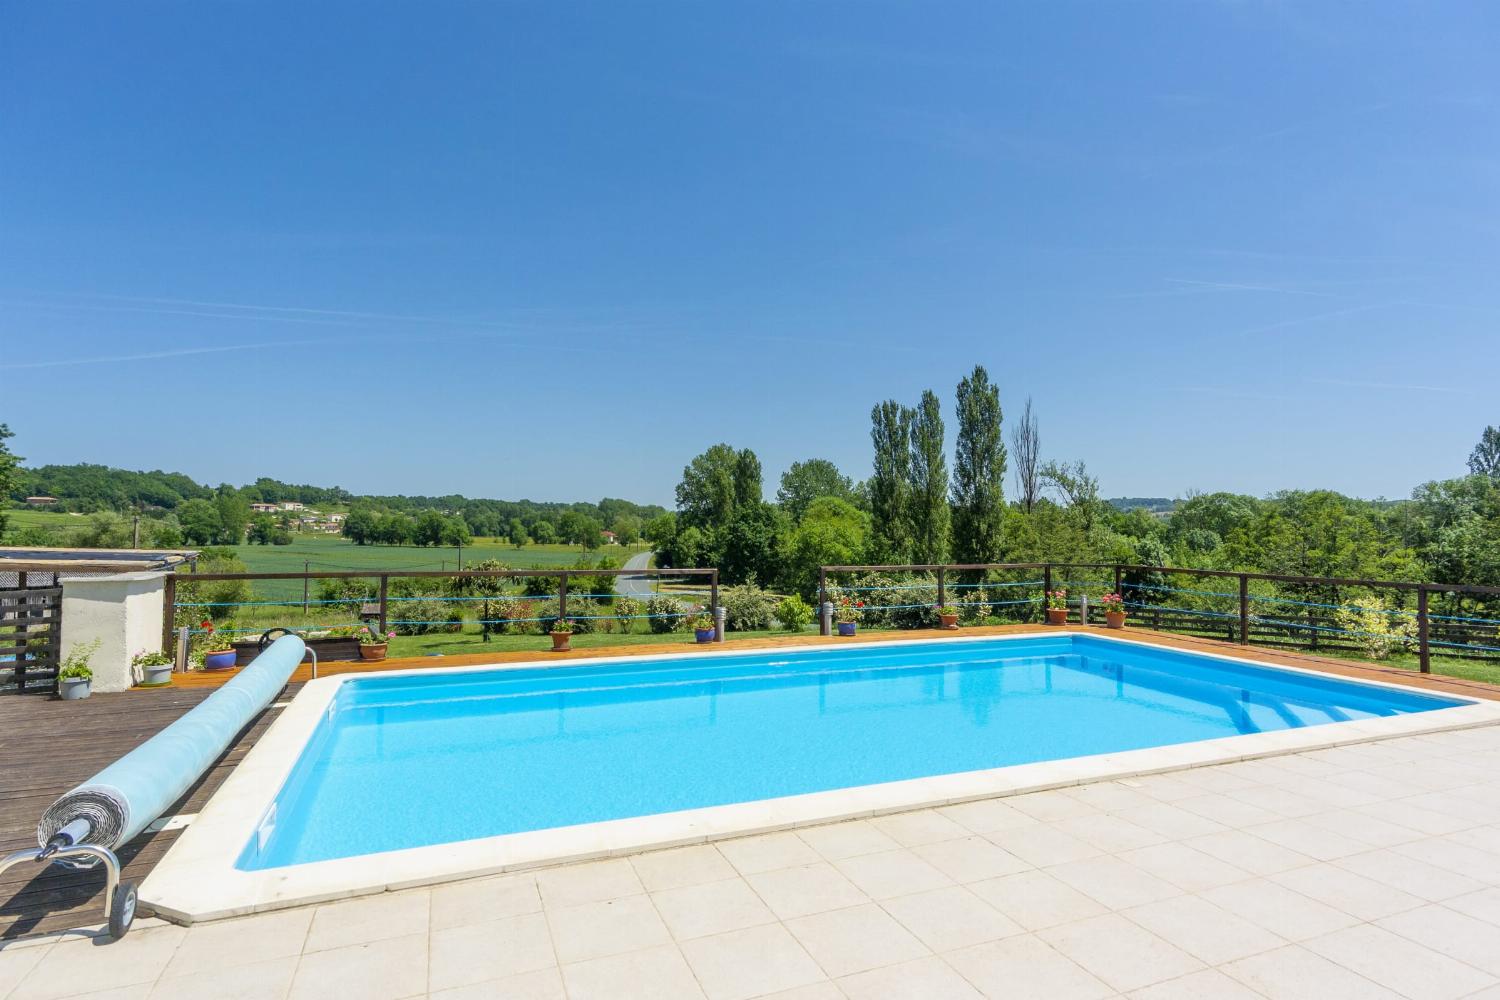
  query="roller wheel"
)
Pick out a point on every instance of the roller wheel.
point(122, 910)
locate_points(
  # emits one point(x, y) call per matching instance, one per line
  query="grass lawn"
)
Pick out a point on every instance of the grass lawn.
point(15, 520)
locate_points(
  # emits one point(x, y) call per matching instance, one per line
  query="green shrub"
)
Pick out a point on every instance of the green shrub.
point(667, 606)
point(425, 617)
point(911, 606)
point(347, 593)
point(218, 596)
point(794, 613)
point(747, 608)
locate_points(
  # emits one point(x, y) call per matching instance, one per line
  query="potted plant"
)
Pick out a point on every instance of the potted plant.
point(1114, 610)
point(562, 635)
point(154, 669)
point(847, 615)
point(218, 646)
point(948, 615)
point(703, 628)
point(1057, 607)
point(372, 645)
point(75, 675)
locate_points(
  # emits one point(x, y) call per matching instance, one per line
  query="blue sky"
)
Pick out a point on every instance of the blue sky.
point(554, 250)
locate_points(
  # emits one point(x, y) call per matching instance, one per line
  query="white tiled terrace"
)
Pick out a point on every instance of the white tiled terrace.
point(1362, 871)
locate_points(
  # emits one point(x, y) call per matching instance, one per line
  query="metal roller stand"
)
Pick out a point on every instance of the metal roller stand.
point(119, 900)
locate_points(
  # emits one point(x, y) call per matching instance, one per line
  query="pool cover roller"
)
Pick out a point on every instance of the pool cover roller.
point(124, 798)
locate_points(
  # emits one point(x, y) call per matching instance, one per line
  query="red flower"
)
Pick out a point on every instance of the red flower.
point(206, 624)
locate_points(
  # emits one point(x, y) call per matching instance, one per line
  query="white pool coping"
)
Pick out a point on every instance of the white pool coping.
point(197, 880)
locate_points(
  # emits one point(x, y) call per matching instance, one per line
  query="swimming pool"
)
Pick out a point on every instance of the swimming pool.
point(430, 758)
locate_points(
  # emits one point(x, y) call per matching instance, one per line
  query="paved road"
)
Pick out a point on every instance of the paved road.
point(635, 586)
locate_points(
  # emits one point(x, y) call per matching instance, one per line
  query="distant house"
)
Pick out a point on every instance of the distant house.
point(335, 518)
point(609, 538)
point(41, 501)
point(264, 508)
point(290, 505)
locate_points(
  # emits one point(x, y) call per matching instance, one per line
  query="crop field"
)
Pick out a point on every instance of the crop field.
point(319, 552)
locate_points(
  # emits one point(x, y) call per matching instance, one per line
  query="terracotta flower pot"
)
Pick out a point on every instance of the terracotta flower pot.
point(1114, 619)
point(560, 642)
point(373, 650)
point(1057, 616)
point(949, 621)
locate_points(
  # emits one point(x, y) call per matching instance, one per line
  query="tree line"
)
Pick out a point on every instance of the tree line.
point(917, 508)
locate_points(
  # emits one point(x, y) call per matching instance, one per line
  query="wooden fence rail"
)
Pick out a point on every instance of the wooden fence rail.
point(1245, 617)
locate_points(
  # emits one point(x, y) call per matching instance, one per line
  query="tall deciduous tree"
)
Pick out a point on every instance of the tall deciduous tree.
point(978, 471)
point(1026, 442)
point(8, 464)
point(1484, 460)
point(806, 481)
point(712, 483)
point(890, 483)
point(929, 514)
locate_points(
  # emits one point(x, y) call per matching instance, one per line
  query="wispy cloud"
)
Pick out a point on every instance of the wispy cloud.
point(1319, 317)
point(1224, 392)
point(175, 352)
point(1400, 386)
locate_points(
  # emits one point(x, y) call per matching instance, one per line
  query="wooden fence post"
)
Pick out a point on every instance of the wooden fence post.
point(942, 587)
point(562, 596)
point(1117, 578)
point(713, 606)
point(1244, 609)
point(1424, 651)
point(385, 586)
point(168, 611)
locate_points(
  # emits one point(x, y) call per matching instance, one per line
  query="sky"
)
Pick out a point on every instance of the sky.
point(554, 250)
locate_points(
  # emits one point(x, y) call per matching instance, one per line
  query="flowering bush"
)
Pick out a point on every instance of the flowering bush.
point(373, 638)
point(1113, 604)
point(668, 614)
point(703, 623)
point(848, 610)
point(948, 609)
point(1378, 630)
point(217, 639)
point(1057, 600)
point(562, 627)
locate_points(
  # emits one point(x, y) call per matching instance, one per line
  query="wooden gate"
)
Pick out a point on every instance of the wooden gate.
point(30, 634)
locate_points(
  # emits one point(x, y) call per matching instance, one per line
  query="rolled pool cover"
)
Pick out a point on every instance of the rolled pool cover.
point(124, 798)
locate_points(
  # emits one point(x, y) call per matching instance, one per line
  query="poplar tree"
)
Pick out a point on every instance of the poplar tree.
point(978, 471)
point(928, 509)
point(890, 483)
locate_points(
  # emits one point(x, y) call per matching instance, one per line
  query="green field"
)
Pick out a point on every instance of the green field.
point(19, 519)
point(319, 552)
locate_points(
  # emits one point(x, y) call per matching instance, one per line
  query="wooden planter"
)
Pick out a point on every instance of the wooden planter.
point(344, 647)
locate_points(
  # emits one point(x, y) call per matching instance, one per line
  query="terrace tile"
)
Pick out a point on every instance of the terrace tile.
point(1119, 953)
point(767, 852)
point(1036, 900)
point(949, 918)
point(846, 840)
point(892, 873)
point(544, 984)
point(591, 882)
point(1294, 973)
point(659, 972)
point(855, 939)
point(611, 927)
point(1026, 968)
point(701, 910)
point(797, 892)
point(369, 918)
point(681, 866)
point(389, 969)
point(1399, 963)
point(479, 901)
point(477, 953)
point(750, 963)
point(928, 978)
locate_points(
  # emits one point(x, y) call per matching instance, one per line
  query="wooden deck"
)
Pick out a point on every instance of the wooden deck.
point(47, 747)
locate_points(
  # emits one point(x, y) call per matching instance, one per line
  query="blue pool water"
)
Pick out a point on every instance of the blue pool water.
point(407, 761)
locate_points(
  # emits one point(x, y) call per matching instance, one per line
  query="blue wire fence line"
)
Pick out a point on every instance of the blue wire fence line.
point(1462, 623)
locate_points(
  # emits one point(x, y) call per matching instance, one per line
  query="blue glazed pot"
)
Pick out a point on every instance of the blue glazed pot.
point(221, 660)
point(704, 634)
point(848, 628)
